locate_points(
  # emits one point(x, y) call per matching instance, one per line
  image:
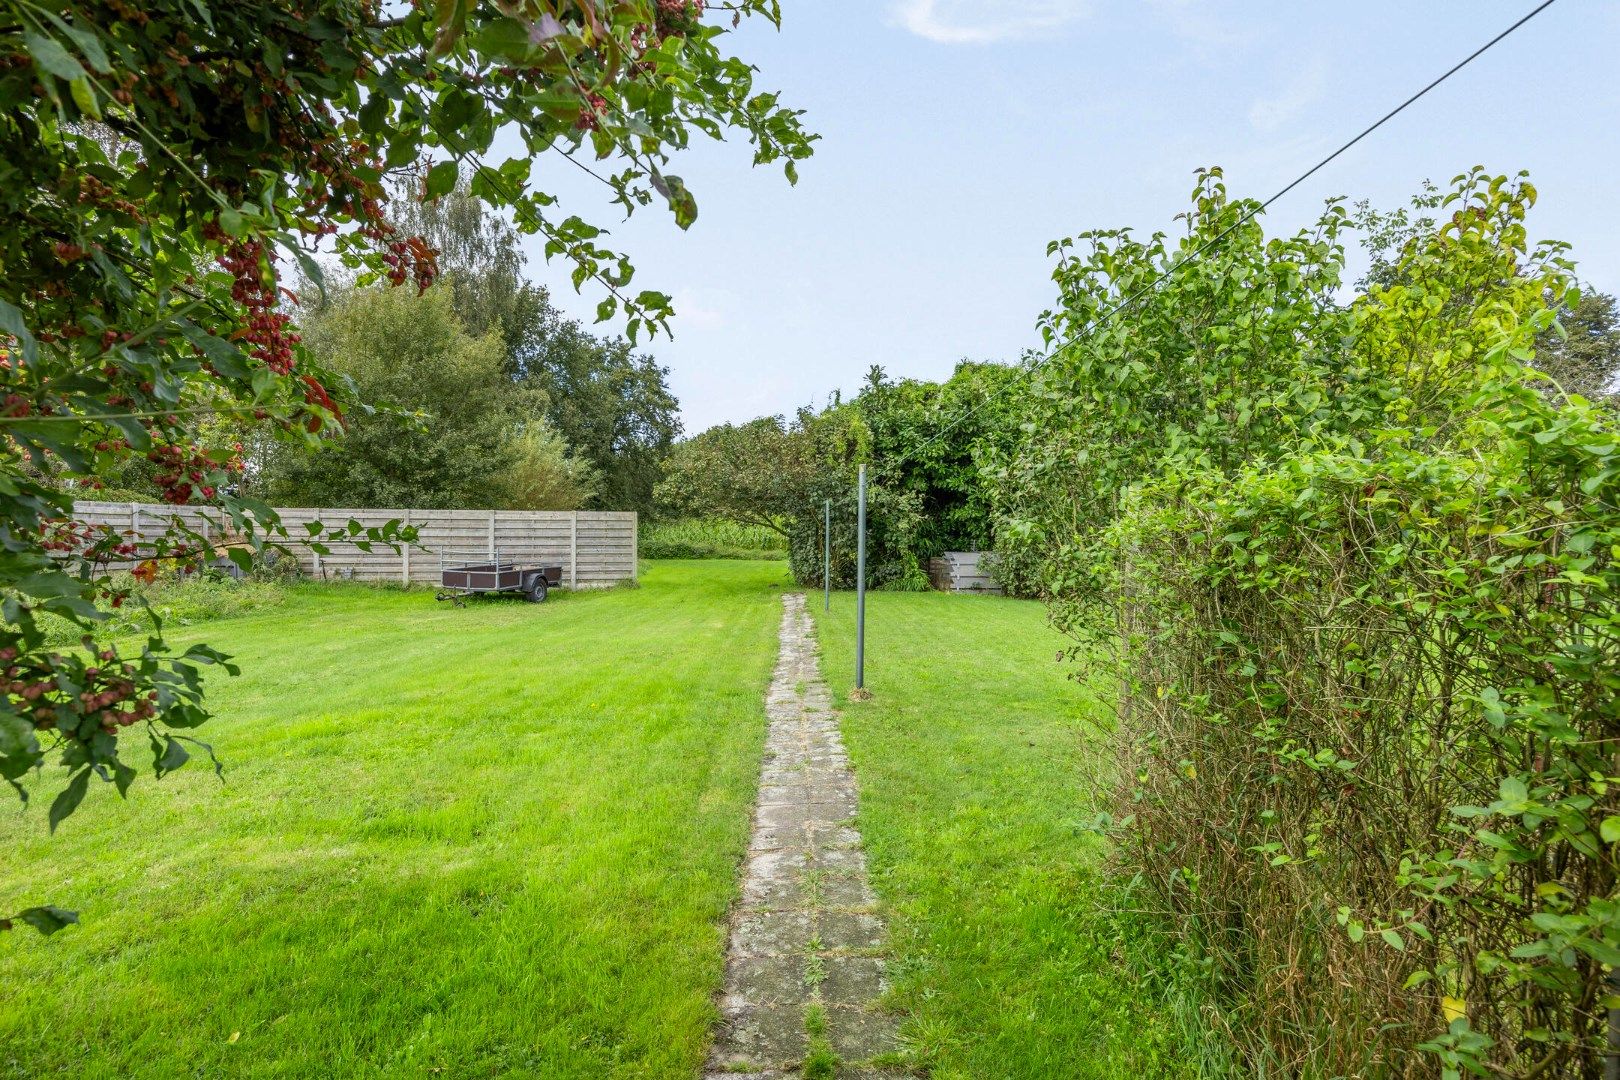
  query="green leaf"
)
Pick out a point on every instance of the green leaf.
point(680, 198)
point(226, 358)
point(13, 323)
point(1610, 829)
point(505, 39)
point(169, 757)
point(123, 776)
point(50, 56)
point(374, 113)
point(450, 19)
point(68, 801)
point(1393, 940)
point(441, 180)
point(89, 45)
point(85, 98)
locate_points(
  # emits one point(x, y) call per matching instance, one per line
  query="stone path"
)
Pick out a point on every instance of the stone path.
point(803, 969)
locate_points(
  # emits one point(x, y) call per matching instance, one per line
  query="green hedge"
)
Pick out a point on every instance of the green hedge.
point(1359, 565)
point(1372, 727)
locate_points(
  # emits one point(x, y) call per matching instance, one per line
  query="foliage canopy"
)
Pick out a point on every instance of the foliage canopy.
point(1361, 566)
point(160, 162)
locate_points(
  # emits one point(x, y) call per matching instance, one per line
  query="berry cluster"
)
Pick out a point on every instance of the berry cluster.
point(252, 266)
point(187, 471)
point(335, 186)
point(95, 192)
point(37, 689)
point(410, 258)
point(71, 536)
point(676, 18)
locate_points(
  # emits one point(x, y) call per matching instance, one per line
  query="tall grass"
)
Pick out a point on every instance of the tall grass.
point(710, 538)
point(202, 598)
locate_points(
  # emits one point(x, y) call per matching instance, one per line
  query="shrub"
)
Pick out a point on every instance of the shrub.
point(1371, 732)
point(1238, 356)
point(1360, 565)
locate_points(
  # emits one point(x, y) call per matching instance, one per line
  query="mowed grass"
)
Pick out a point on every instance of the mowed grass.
point(1008, 950)
point(497, 840)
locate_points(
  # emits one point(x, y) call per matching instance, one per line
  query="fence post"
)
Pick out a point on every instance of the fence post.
point(492, 536)
point(405, 559)
point(573, 549)
point(860, 583)
point(635, 545)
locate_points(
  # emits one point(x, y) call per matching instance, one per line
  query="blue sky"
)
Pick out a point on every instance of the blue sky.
point(959, 136)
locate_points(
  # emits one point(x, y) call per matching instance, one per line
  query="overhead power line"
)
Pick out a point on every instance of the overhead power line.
point(1161, 277)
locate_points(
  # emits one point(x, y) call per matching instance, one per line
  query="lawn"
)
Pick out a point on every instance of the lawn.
point(1007, 949)
point(497, 840)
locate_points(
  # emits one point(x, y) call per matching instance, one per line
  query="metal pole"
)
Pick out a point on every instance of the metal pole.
point(826, 558)
point(860, 583)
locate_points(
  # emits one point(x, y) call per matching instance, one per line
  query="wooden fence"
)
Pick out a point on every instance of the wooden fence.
point(593, 547)
point(964, 571)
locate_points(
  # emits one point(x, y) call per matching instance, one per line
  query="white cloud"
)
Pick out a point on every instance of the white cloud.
point(1271, 113)
point(980, 22)
point(1197, 23)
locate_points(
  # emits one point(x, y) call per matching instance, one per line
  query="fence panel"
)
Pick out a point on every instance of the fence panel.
point(594, 547)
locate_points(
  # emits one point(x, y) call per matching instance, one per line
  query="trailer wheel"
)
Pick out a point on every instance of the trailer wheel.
point(537, 590)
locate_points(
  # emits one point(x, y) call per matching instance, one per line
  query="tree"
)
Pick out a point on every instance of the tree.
point(927, 447)
point(246, 134)
point(936, 440)
point(480, 262)
point(614, 408)
point(451, 444)
point(1585, 358)
point(757, 473)
point(1178, 376)
point(781, 474)
point(542, 474)
point(610, 404)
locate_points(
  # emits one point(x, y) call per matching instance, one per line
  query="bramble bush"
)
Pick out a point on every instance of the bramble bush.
point(1363, 597)
point(161, 162)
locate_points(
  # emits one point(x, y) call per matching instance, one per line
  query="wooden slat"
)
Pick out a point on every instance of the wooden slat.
point(606, 540)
